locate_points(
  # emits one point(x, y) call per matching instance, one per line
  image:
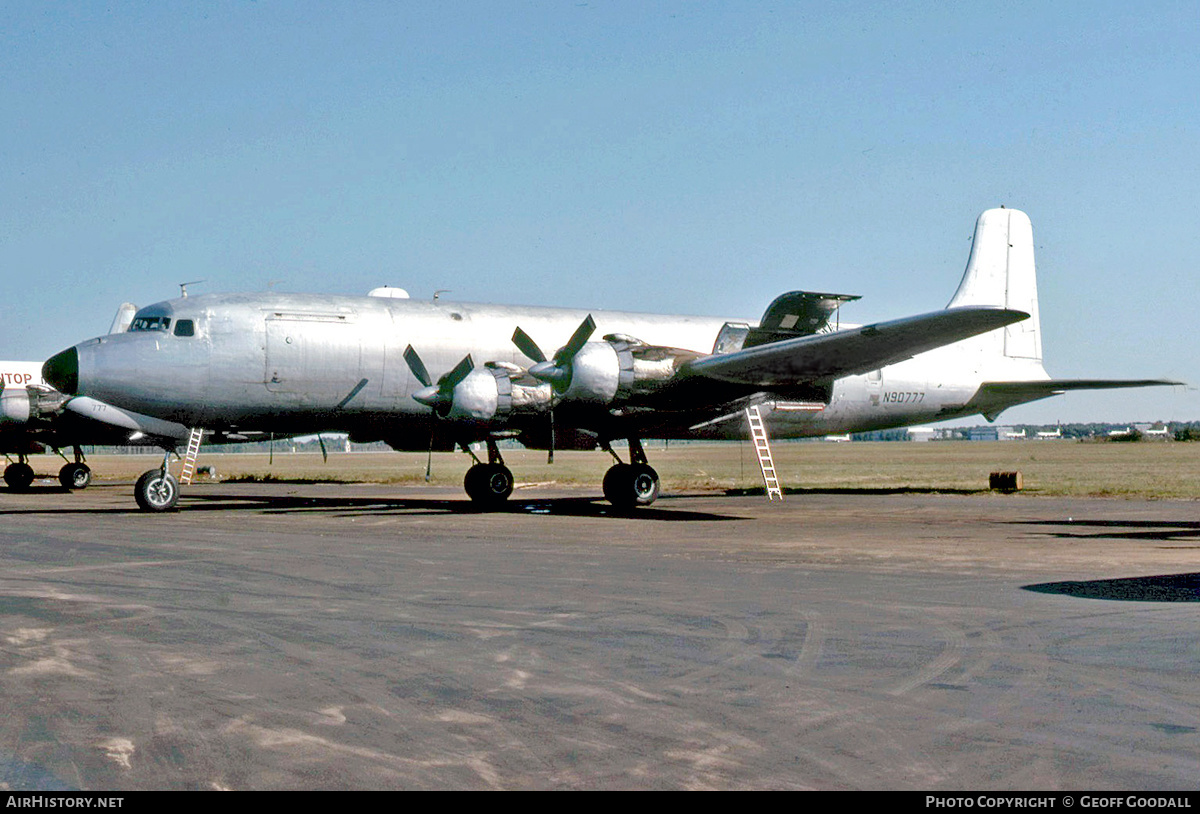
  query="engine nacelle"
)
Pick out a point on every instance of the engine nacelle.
point(620, 367)
point(14, 405)
point(488, 395)
point(21, 405)
point(601, 373)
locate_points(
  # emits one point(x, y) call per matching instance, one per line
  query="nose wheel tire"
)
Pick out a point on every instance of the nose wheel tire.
point(488, 484)
point(75, 476)
point(156, 491)
point(19, 477)
point(630, 485)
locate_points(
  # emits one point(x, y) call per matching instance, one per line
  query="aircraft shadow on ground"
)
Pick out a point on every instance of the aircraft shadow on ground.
point(377, 506)
point(38, 489)
point(367, 506)
point(758, 491)
point(1162, 588)
point(1150, 530)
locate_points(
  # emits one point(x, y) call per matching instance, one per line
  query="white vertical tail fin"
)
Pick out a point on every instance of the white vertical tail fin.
point(1001, 271)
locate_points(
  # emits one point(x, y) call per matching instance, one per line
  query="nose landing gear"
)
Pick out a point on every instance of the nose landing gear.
point(157, 490)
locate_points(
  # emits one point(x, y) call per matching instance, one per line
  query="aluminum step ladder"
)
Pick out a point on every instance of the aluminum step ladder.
point(189, 459)
point(758, 431)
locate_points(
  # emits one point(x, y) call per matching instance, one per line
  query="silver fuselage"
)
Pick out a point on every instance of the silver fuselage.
point(289, 363)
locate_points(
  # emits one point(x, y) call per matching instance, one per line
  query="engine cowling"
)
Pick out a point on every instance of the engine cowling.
point(14, 405)
point(22, 405)
point(617, 369)
point(488, 395)
point(600, 373)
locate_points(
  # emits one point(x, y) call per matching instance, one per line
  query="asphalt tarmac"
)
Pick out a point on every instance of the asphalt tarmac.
point(275, 636)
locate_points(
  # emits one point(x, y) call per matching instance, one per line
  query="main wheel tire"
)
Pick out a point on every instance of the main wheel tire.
point(75, 476)
point(488, 484)
point(630, 485)
point(156, 491)
point(18, 476)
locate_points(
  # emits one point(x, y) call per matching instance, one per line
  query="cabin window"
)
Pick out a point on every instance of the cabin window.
point(185, 327)
point(150, 324)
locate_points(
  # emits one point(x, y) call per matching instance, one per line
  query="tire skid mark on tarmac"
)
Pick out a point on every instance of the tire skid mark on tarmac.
point(714, 752)
point(221, 693)
point(383, 702)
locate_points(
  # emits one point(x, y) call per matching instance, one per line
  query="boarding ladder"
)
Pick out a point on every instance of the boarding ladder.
point(189, 459)
point(758, 431)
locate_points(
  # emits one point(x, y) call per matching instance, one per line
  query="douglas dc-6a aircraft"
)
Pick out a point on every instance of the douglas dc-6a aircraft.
point(431, 374)
point(29, 409)
point(34, 415)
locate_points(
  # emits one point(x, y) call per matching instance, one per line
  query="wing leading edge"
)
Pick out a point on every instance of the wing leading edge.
point(822, 357)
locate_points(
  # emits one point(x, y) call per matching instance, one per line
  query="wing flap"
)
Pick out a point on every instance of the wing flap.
point(822, 357)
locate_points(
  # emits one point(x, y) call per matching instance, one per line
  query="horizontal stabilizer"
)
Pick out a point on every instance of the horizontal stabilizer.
point(993, 398)
point(822, 357)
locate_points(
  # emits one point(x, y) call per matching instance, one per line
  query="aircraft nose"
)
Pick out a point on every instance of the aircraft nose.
point(61, 371)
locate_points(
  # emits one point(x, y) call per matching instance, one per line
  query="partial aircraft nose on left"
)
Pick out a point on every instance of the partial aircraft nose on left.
point(61, 371)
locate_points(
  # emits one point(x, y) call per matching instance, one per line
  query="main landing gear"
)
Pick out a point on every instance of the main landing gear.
point(628, 485)
point(488, 484)
point(19, 475)
point(74, 474)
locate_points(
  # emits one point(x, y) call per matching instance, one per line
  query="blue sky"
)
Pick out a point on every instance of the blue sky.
point(666, 157)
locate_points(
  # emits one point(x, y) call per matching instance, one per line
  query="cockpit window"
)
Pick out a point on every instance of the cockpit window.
point(150, 324)
point(185, 327)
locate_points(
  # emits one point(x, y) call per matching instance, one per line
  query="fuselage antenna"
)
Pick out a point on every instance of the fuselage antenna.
point(183, 287)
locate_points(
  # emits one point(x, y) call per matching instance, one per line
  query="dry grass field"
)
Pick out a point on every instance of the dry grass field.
point(1144, 470)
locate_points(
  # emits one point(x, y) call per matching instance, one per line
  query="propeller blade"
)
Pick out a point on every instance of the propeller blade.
point(577, 340)
point(417, 366)
point(558, 371)
point(451, 379)
point(527, 346)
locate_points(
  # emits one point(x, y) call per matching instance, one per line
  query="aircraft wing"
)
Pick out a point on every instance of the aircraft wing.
point(821, 357)
point(993, 398)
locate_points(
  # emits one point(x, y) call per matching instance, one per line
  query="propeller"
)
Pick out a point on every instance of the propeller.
point(558, 370)
point(441, 395)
